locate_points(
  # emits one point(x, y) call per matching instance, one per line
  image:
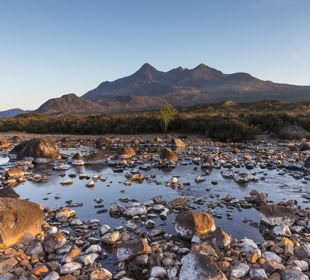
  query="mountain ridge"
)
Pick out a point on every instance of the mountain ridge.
point(149, 88)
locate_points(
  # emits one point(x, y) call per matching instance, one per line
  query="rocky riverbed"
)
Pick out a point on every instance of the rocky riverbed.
point(146, 207)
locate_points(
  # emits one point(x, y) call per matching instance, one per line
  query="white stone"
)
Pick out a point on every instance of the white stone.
point(158, 271)
point(69, 268)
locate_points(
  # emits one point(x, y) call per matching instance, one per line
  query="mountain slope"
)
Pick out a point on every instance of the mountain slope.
point(149, 89)
point(12, 113)
point(69, 104)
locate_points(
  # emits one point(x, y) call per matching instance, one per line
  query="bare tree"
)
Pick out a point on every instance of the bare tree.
point(167, 114)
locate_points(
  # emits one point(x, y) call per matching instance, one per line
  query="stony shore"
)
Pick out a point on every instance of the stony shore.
point(67, 247)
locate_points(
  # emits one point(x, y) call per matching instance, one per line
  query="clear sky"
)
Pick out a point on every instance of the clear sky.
point(52, 47)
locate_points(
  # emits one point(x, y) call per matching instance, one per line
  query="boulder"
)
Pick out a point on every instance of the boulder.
point(176, 142)
point(130, 249)
point(37, 148)
point(221, 239)
point(96, 158)
point(128, 152)
point(54, 241)
point(200, 266)
point(277, 215)
point(19, 220)
point(64, 214)
point(189, 223)
point(168, 154)
point(257, 197)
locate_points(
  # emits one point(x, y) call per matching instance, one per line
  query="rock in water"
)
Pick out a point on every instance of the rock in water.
point(131, 249)
point(277, 215)
point(19, 220)
point(176, 142)
point(37, 148)
point(189, 223)
point(168, 154)
point(200, 266)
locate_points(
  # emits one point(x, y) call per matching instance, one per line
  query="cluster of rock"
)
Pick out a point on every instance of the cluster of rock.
point(69, 248)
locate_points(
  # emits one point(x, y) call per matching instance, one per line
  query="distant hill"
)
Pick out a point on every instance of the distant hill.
point(69, 104)
point(12, 113)
point(149, 88)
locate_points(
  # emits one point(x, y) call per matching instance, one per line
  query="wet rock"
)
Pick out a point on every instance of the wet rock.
point(104, 229)
point(54, 241)
point(168, 154)
point(242, 178)
point(176, 142)
point(116, 210)
point(78, 160)
point(131, 249)
point(257, 197)
point(189, 223)
point(64, 214)
point(97, 158)
point(221, 238)
point(128, 152)
point(37, 148)
point(19, 220)
point(135, 209)
point(179, 202)
point(100, 274)
point(228, 174)
point(277, 215)
point(199, 266)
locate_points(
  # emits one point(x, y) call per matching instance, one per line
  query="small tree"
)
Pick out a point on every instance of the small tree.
point(167, 114)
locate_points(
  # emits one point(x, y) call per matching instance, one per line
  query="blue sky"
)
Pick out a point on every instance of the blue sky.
point(52, 47)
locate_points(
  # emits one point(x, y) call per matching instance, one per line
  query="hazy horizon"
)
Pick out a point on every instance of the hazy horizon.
point(60, 47)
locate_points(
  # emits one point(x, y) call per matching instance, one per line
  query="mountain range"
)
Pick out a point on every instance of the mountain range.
point(149, 89)
point(12, 113)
